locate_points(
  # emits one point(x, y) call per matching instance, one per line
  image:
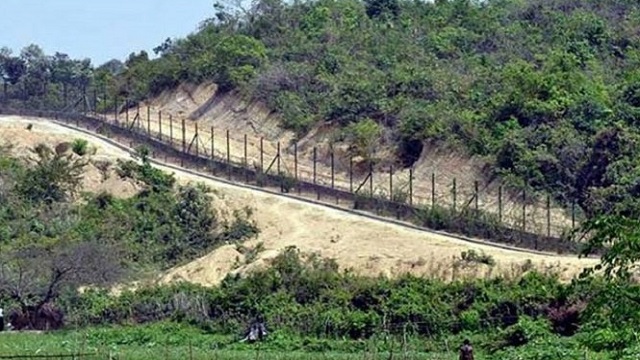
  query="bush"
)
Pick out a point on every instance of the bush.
point(80, 147)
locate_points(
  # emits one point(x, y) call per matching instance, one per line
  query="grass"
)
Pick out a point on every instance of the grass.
point(139, 343)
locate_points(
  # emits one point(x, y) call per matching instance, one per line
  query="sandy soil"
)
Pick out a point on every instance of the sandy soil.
point(368, 246)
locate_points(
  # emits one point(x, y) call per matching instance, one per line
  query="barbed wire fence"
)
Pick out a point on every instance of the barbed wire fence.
point(437, 201)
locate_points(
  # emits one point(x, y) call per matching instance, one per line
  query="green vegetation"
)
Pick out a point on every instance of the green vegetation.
point(311, 307)
point(80, 147)
point(60, 239)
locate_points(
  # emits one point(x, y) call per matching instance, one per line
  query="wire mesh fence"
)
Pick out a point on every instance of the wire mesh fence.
point(478, 208)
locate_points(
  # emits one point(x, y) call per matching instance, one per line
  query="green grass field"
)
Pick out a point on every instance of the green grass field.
point(68, 343)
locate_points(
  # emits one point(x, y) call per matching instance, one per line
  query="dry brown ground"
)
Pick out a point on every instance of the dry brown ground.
point(368, 246)
point(216, 114)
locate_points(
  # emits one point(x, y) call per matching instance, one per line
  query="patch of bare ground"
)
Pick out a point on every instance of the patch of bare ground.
point(212, 116)
point(369, 247)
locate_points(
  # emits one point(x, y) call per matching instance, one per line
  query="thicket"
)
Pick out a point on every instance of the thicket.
point(55, 238)
point(309, 304)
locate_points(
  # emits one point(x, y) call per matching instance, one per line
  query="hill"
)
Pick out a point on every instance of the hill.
point(542, 91)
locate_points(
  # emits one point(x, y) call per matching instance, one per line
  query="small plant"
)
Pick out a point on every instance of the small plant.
point(472, 256)
point(250, 254)
point(80, 147)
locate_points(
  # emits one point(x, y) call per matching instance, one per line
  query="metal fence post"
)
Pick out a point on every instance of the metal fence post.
point(196, 139)
point(228, 157)
point(370, 179)
point(184, 138)
point(315, 157)
point(95, 102)
point(411, 186)
point(475, 188)
point(351, 174)
point(455, 193)
point(315, 160)
point(261, 155)
point(246, 173)
point(280, 177)
point(500, 204)
point(548, 216)
point(391, 183)
point(115, 107)
point(332, 171)
point(160, 125)
point(148, 120)
point(433, 190)
point(171, 129)
point(573, 214)
point(524, 210)
point(295, 164)
point(213, 153)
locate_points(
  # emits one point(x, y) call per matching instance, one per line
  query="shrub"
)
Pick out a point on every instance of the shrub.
point(80, 147)
point(472, 256)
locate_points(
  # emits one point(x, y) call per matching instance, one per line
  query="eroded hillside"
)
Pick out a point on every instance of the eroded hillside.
point(435, 170)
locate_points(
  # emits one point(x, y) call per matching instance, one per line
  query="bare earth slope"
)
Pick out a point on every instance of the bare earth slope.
point(368, 246)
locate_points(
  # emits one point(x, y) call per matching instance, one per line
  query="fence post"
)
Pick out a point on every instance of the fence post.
point(246, 173)
point(548, 216)
point(433, 190)
point(524, 210)
point(228, 157)
point(411, 186)
point(115, 108)
point(213, 154)
point(475, 188)
point(370, 179)
point(295, 164)
point(160, 124)
point(196, 139)
point(332, 171)
point(315, 160)
point(455, 194)
point(280, 177)
point(573, 214)
point(391, 183)
point(500, 204)
point(84, 100)
point(351, 174)
point(95, 102)
point(184, 138)
point(171, 129)
point(315, 157)
point(149, 120)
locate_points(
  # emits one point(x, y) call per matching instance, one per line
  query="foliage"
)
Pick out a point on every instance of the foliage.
point(51, 244)
point(80, 147)
point(55, 178)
